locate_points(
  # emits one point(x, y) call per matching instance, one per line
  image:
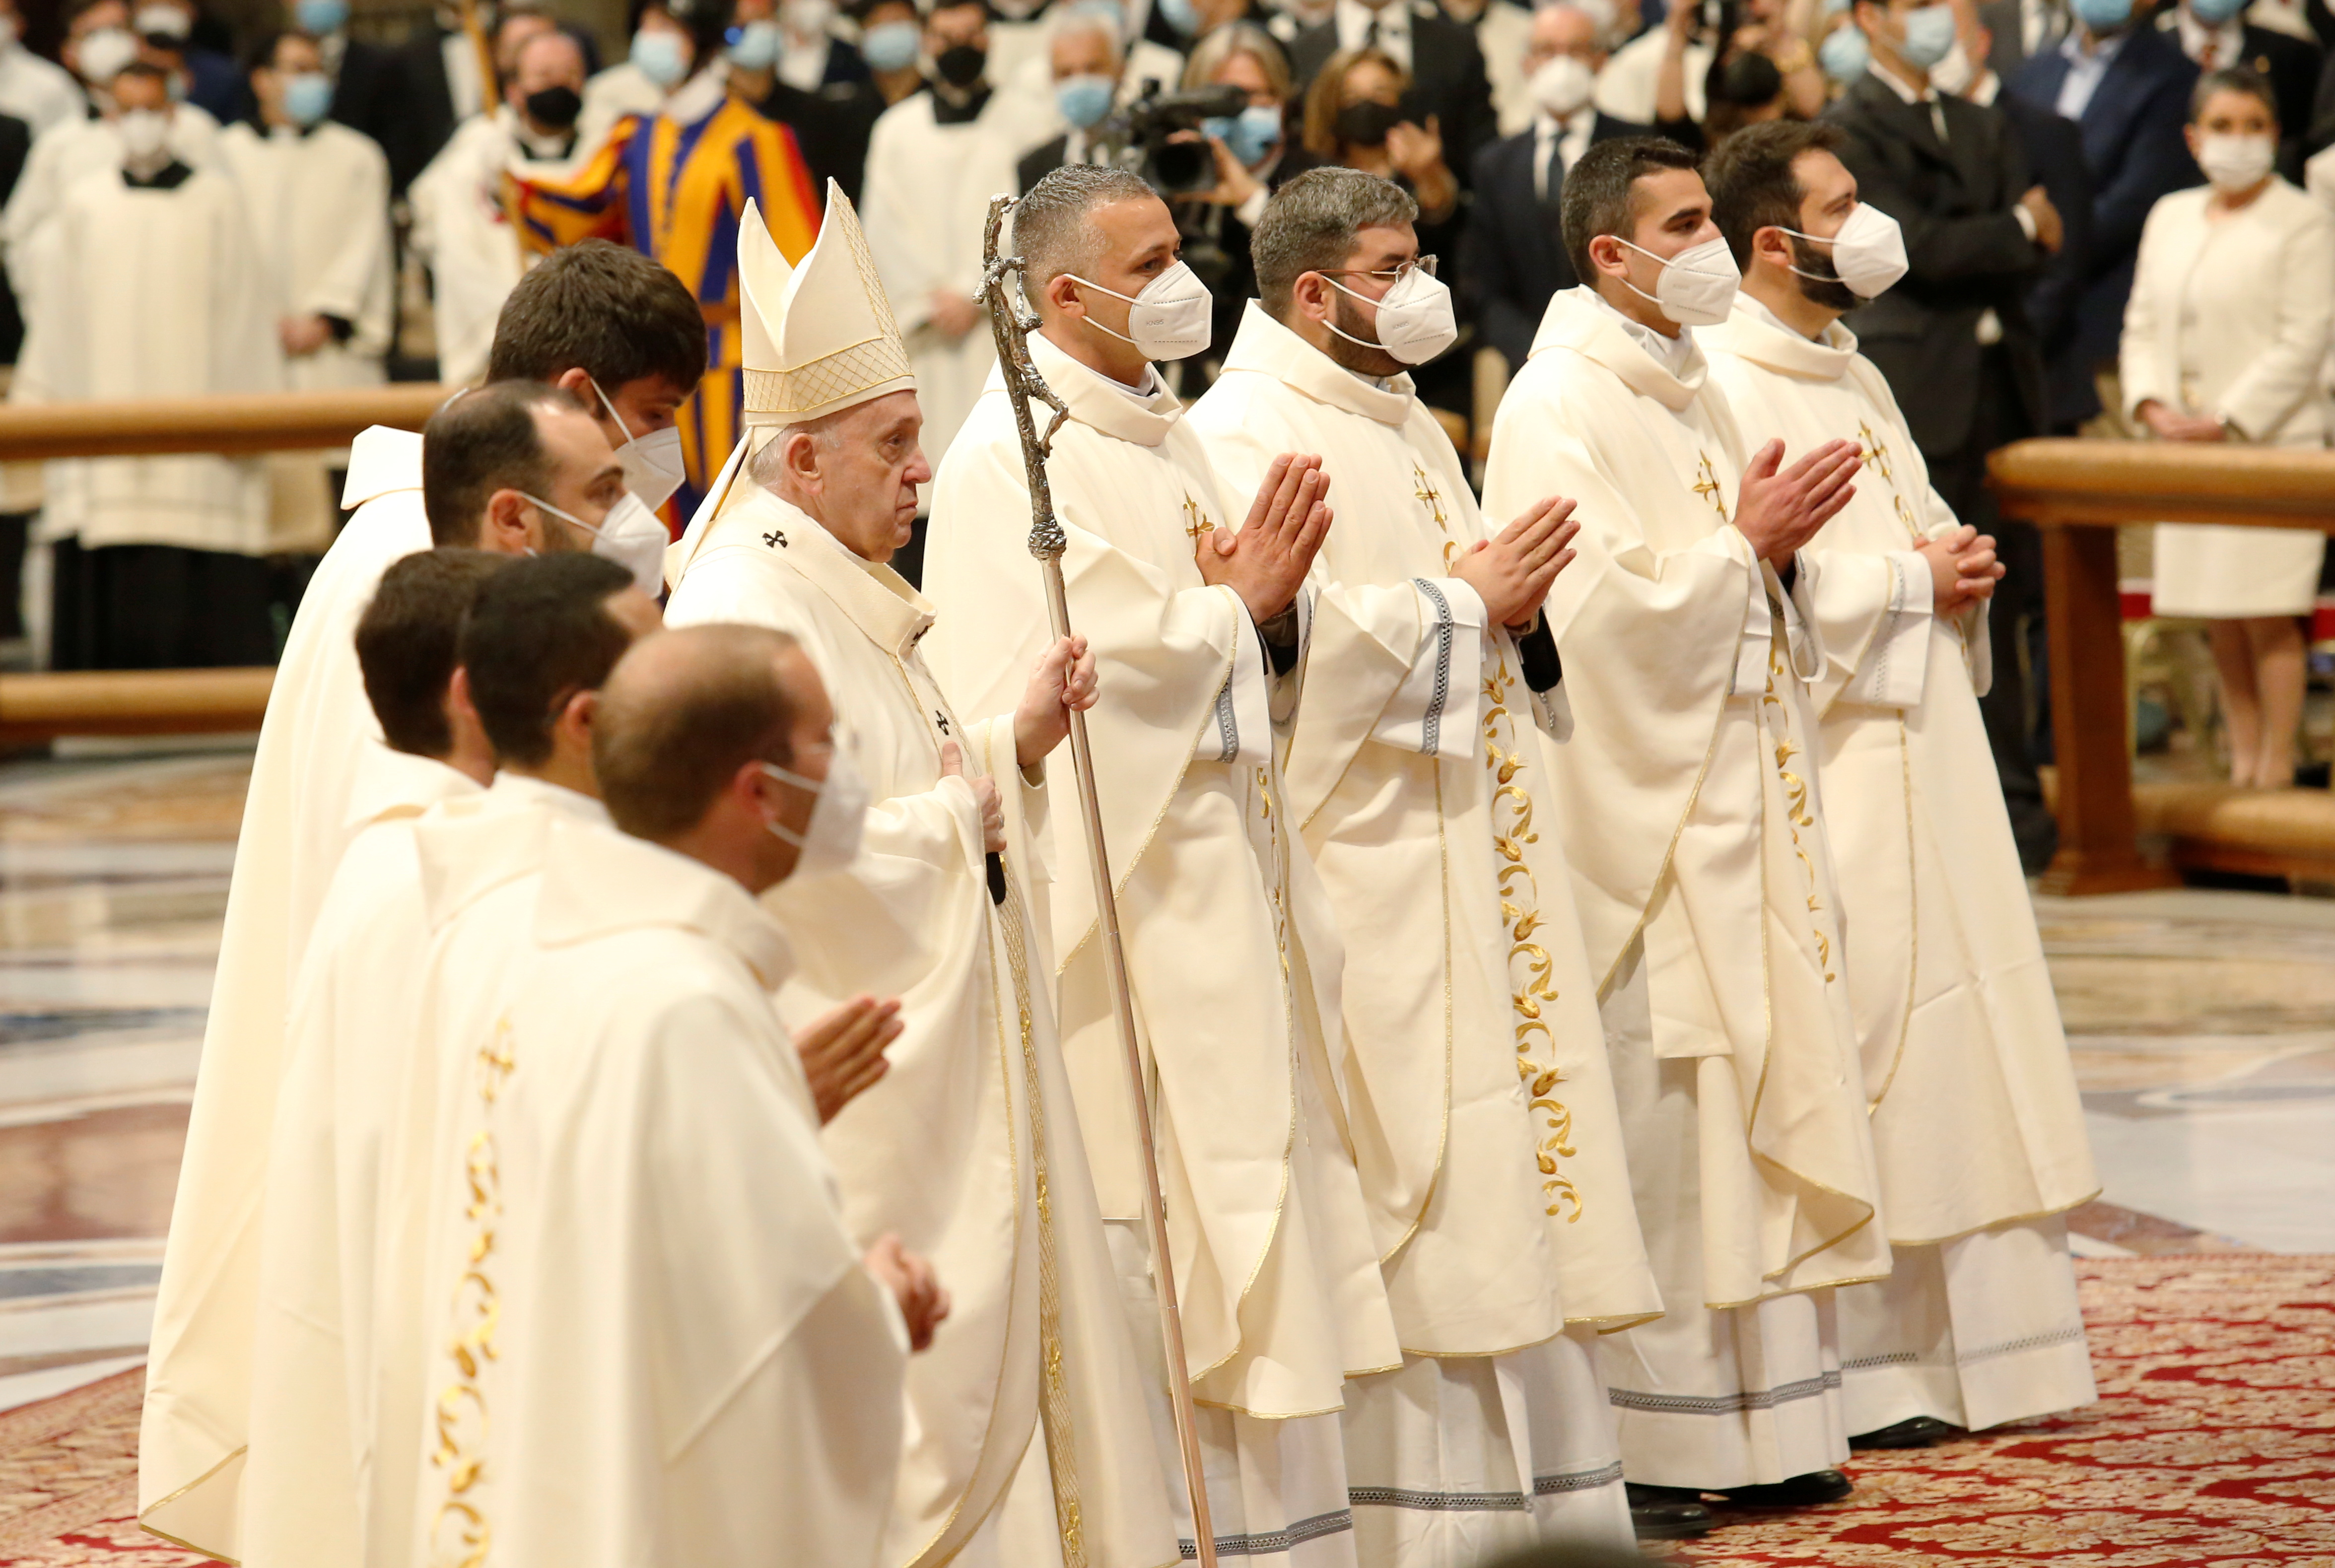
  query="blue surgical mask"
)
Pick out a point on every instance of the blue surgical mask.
point(1183, 15)
point(1929, 35)
point(2102, 15)
point(1845, 55)
point(307, 97)
point(755, 45)
point(1085, 100)
point(321, 17)
point(890, 45)
point(658, 55)
point(2214, 13)
point(1249, 135)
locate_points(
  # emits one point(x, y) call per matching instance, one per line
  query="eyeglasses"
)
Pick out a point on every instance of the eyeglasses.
point(1425, 263)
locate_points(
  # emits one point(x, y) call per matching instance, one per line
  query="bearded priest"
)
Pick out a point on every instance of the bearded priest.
point(1976, 1122)
point(1688, 804)
point(1232, 952)
point(969, 1149)
point(1502, 1216)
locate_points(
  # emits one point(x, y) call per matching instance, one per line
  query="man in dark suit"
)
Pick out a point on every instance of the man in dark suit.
point(2214, 36)
point(2018, 28)
point(1512, 254)
point(1952, 339)
point(2128, 90)
point(1447, 80)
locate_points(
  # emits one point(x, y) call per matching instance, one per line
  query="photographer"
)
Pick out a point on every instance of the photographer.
point(1254, 158)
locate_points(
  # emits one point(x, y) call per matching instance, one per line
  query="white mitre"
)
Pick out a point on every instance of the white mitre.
point(818, 338)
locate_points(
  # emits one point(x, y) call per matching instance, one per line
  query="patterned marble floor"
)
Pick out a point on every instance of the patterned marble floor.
point(2204, 1026)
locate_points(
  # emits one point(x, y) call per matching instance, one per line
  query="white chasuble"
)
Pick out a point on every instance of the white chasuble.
point(968, 1148)
point(655, 1345)
point(351, 1032)
point(1232, 955)
point(296, 823)
point(1492, 1159)
point(1976, 1120)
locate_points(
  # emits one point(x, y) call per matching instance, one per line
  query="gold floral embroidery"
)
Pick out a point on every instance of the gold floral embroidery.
point(1874, 453)
point(1796, 807)
point(460, 1534)
point(1706, 484)
point(1433, 498)
point(1512, 829)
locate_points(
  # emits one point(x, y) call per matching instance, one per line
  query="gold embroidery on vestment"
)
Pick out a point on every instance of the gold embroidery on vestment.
point(459, 1416)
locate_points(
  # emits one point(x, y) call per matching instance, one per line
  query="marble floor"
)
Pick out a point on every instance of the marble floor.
point(2203, 1023)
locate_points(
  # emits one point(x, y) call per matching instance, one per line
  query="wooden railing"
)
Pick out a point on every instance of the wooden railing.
point(2078, 492)
point(177, 701)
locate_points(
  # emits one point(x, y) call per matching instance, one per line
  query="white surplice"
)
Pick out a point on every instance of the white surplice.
point(1499, 1200)
point(953, 1148)
point(1232, 951)
point(1977, 1124)
point(352, 1029)
point(1687, 803)
point(926, 198)
point(295, 824)
point(149, 293)
point(650, 1342)
point(61, 157)
point(464, 233)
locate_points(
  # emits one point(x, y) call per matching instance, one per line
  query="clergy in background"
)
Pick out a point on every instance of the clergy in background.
point(597, 317)
point(970, 1148)
point(1232, 951)
point(1502, 1216)
point(1689, 808)
point(655, 1345)
point(147, 286)
point(1976, 1122)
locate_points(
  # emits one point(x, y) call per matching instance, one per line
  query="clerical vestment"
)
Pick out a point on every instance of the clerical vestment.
point(1688, 808)
point(953, 1148)
point(1232, 954)
point(624, 1109)
point(296, 823)
point(1477, 1083)
point(672, 185)
point(1976, 1120)
point(350, 1034)
point(463, 229)
point(929, 181)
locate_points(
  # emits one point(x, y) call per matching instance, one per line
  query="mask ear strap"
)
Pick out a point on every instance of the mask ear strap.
point(609, 403)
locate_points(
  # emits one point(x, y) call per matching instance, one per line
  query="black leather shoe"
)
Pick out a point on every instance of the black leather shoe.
point(1798, 1492)
point(1667, 1513)
point(1912, 1432)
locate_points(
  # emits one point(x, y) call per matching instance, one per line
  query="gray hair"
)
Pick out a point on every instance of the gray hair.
point(2231, 79)
point(1071, 24)
point(1312, 223)
point(1050, 228)
point(767, 465)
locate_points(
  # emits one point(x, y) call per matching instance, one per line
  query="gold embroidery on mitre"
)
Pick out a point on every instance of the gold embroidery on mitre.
point(459, 1417)
point(872, 361)
point(1520, 918)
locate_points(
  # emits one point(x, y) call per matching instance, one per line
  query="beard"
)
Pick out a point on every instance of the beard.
point(1365, 358)
point(1819, 285)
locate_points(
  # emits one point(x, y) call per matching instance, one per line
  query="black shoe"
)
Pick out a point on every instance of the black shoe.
point(1799, 1492)
point(1667, 1513)
point(1912, 1432)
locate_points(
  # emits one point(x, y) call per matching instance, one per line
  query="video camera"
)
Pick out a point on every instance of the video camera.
point(1158, 136)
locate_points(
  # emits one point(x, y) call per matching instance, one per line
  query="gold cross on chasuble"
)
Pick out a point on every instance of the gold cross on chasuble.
point(1706, 484)
point(1428, 493)
point(1199, 524)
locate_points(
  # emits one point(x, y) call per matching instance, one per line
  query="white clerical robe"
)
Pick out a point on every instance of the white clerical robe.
point(146, 292)
point(652, 1344)
point(926, 198)
point(1231, 954)
point(1977, 1124)
point(1688, 808)
point(464, 233)
point(61, 157)
point(951, 1149)
point(351, 1034)
point(295, 824)
point(1499, 1196)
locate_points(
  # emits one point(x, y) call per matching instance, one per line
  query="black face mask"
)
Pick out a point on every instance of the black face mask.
point(1366, 124)
point(960, 64)
point(555, 107)
point(1824, 287)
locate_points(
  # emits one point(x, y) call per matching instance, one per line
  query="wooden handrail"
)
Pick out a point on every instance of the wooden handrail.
point(235, 426)
point(2079, 492)
point(34, 707)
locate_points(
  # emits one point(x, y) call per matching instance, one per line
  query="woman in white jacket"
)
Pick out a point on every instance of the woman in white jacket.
point(2223, 338)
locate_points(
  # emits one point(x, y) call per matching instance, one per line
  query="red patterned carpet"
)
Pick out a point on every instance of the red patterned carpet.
point(2213, 1445)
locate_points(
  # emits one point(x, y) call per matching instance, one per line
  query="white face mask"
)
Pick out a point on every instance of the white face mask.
point(1171, 319)
point(145, 138)
point(829, 841)
point(1697, 288)
point(2235, 163)
point(1415, 319)
point(1868, 253)
point(630, 535)
point(1561, 88)
point(653, 466)
point(103, 55)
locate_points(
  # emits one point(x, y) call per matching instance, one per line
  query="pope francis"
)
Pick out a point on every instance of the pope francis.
point(969, 1148)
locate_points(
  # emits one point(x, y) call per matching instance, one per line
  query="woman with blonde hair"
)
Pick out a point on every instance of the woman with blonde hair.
point(2224, 336)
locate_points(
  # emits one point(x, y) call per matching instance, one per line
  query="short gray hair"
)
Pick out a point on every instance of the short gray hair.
point(768, 466)
point(1050, 231)
point(1312, 223)
point(1071, 23)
